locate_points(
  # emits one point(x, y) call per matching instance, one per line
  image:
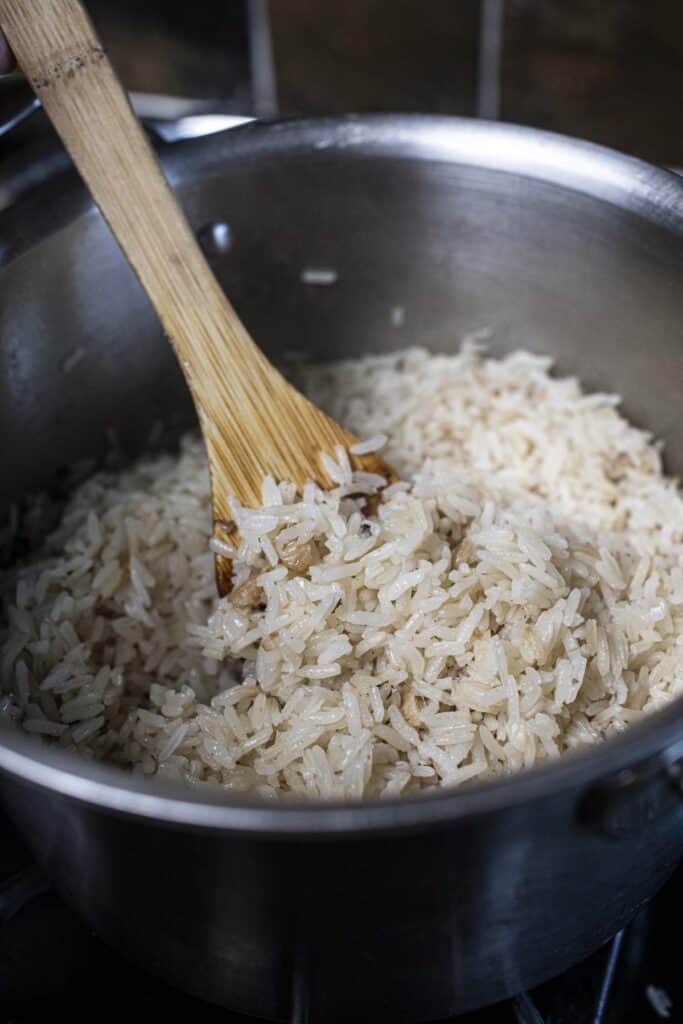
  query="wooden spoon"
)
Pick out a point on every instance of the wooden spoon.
point(254, 422)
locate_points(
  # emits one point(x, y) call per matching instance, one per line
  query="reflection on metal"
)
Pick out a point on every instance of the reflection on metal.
point(263, 80)
point(196, 126)
point(26, 170)
point(20, 889)
point(167, 108)
point(524, 1010)
point(490, 54)
point(319, 275)
point(215, 237)
point(608, 979)
point(25, 111)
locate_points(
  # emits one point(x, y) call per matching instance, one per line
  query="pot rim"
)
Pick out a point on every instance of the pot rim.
point(569, 163)
point(655, 741)
point(645, 190)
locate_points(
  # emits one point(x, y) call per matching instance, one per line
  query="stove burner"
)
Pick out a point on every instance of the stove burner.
point(51, 963)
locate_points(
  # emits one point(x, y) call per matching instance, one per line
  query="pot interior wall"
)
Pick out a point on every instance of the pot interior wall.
point(456, 248)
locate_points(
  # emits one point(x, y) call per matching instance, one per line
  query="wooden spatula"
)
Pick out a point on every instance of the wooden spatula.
point(254, 422)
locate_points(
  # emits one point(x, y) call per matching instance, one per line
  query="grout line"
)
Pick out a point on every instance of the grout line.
point(490, 54)
point(263, 77)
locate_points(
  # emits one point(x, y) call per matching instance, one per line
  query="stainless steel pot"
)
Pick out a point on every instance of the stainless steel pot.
point(404, 910)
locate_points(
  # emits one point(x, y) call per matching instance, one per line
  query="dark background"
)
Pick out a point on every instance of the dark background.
point(606, 70)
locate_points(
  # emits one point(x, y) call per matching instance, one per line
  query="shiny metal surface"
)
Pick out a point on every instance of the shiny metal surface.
point(194, 126)
point(165, 118)
point(31, 105)
point(406, 910)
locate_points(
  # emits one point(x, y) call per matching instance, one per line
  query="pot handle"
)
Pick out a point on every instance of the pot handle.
point(28, 106)
point(166, 129)
point(633, 799)
point(35, 166)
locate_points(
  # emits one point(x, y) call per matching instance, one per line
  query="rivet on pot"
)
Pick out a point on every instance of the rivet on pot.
point(215, 237)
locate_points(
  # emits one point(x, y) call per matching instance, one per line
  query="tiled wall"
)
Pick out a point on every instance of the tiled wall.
point(608, 70)
point(376, 54)
point(194, 49)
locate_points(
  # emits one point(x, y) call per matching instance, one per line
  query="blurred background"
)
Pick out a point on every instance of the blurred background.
point(606, 70)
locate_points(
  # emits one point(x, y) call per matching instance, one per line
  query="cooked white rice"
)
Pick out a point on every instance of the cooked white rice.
point(520, 595)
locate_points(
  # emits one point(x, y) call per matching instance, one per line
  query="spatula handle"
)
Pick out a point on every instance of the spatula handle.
point(254, 422)
point(60, 53)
